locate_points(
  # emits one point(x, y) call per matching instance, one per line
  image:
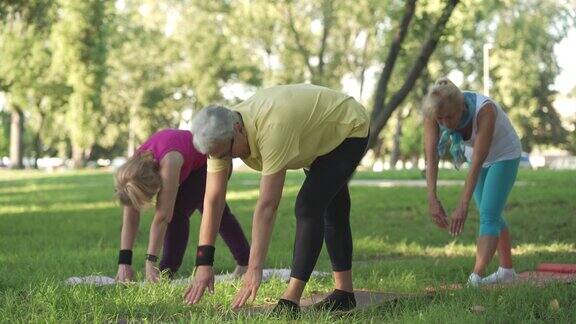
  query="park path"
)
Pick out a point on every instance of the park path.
point(381, 183)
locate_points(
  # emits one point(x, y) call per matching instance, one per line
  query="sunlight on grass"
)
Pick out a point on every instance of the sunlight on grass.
point(61, 207)
point(64, 224)
point(13, 175)
point(242, 195)
point(35, 187)
point(377, 246)
point(525, 249)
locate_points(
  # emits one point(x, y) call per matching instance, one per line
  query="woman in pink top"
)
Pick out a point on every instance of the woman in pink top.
point(168, 165)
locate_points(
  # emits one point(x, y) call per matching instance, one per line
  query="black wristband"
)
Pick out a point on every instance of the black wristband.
point(125, 257)
point(205, 255)
point(151, 258)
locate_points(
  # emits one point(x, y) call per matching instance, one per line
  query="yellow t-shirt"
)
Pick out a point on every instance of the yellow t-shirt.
point(290, 126)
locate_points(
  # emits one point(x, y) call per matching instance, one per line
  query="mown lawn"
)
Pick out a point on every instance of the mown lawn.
point(54, 226)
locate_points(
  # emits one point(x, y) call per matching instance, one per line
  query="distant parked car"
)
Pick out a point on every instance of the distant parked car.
point(117, 162)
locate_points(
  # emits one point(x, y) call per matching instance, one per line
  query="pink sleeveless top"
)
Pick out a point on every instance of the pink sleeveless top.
point(168, 140)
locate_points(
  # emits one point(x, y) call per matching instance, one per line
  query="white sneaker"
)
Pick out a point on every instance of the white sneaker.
point(474, 280)
point(502, 275)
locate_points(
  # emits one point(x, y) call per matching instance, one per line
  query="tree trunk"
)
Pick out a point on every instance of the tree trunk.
point(131, 137)
point(395, 154)
point(16, 139)
point(78, 158)
point(133, 122)
point(301, 48)
point(414, 161)
point(327, 23)
point(362, 75)
point(382, 111)
point(380, 96)
point(377, 149)
point(38, 142)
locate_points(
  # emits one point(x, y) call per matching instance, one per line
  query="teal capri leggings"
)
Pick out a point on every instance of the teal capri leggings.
point(491, 192)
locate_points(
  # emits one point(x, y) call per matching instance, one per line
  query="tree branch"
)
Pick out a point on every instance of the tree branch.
point(364, 64)
point(395, 47)
point(301, 48)
point(327, 10)
point(380, 117)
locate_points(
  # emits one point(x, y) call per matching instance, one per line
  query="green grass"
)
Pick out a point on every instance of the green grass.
point(53, 226)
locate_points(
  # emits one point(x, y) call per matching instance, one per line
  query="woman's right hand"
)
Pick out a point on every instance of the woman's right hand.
point(203, 279)
point(125, 273)
point(438, 213)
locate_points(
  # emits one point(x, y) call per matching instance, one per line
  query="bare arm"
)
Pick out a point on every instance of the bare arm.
point(214, 203)
point(130, 223)
point(264, 216)
point(431, 135)
point(170, 173)
point(486, 121)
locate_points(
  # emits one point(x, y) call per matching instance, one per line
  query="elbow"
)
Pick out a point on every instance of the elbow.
point(214, 198)
point(479, 158)
point(269, 205)
point(163, 218)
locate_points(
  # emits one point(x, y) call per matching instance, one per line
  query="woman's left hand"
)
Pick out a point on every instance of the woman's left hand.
point(458, 219)
point(152, 271)
point(252, 280)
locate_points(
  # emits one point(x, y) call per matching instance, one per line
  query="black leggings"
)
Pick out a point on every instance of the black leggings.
point(323, 210)
point(190, 198)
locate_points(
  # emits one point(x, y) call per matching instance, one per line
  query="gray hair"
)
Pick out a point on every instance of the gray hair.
point(213, 126)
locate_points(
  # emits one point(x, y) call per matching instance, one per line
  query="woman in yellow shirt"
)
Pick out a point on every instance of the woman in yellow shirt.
point(280, 128)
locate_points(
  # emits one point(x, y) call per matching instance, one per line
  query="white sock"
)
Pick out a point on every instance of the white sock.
point(474, 280)
point(502, 275)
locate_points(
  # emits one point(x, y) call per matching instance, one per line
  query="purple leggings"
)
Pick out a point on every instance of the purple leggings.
point(190, 198)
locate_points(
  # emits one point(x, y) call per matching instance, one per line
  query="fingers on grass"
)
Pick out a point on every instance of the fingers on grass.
point(198, 294)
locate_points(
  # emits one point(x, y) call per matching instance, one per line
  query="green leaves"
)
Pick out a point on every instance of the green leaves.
point(88, 74)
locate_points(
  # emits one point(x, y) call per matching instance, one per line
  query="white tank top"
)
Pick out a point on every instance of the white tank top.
point(505, 142)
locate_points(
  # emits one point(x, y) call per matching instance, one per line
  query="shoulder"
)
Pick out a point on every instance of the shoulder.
point(487, 115)
point(172, 159)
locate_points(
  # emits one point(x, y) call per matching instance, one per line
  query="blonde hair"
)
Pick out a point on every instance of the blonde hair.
point(138, 180)
point(443, 94)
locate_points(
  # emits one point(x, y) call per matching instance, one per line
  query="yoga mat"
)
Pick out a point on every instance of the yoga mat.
point(267, 274)
point(540, 278)
point(556, 267)
point(364, 299)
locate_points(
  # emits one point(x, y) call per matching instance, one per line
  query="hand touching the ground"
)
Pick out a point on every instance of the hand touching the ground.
point(152, 272)
point(458, 219)
point(203, 279)
point(252, 280)
point(125, 273)
point(438, 213)
point(239, 271)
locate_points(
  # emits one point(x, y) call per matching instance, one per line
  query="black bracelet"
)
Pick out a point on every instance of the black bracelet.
point(151, 258)
point(205, 255)
point(125, 257)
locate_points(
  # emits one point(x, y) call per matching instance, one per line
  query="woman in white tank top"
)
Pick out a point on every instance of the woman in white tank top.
point(478, 131)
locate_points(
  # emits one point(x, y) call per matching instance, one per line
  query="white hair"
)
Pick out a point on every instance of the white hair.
point(213, 126)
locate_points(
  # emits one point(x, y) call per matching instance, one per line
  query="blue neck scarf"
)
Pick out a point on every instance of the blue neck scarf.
point(456, 140)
